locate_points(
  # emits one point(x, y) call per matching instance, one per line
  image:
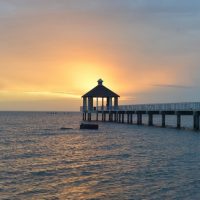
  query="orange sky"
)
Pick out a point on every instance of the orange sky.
point(53, 52)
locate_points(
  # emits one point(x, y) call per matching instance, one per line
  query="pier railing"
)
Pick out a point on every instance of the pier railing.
point(191, 106)
point(99, 108)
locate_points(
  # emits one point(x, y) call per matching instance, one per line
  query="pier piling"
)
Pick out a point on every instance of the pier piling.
point(150, 123)
point(178, 120)
point(196, 121)
point(163, 120)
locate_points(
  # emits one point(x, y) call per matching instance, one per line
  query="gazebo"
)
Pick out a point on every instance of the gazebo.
point(108, 99)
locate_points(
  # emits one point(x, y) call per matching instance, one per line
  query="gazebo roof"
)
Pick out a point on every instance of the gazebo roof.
point(100, 91)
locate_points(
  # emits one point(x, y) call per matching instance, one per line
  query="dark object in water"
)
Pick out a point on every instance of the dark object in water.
point(89, 126)
point(63, 128)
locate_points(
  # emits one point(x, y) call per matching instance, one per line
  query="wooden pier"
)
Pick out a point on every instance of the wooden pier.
point(126, 113)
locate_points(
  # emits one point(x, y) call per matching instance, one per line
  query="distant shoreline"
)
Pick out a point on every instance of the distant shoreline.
point(51, 112)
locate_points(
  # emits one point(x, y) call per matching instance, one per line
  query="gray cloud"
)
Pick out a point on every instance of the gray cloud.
point(146, 6)
point(173, 86)
point(165, 28)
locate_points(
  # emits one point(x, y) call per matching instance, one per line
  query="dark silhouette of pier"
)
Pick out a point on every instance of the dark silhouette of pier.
point(110, 111)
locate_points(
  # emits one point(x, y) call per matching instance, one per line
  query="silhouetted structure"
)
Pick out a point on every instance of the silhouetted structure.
point(126, 113)
point(108, 100)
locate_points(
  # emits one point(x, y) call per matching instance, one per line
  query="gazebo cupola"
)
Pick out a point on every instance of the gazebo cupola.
point(100, 82)
point(108, 99)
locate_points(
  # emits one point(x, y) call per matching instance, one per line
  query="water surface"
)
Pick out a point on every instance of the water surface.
point(38, 160)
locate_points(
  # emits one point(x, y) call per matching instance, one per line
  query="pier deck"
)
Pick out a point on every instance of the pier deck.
point(127, 112)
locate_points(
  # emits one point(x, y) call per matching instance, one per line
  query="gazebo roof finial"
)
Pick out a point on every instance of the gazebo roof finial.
point(100, 82)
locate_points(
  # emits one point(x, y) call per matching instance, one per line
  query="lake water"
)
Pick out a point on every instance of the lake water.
point(38, 160)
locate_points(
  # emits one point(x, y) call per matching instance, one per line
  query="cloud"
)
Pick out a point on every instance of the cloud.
point(104, 6)
point(48, 94)
point(55, 94)
point(144, 41)
point(173, 86)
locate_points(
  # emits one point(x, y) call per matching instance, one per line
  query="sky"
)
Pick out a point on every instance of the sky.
point(53, 52)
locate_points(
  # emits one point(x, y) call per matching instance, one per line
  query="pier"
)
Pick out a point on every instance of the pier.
point(110, 111)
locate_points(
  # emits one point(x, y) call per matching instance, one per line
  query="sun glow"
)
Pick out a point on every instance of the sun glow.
point(83, 76)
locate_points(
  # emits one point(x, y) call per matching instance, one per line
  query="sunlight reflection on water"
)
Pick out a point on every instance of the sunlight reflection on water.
point(40, 161)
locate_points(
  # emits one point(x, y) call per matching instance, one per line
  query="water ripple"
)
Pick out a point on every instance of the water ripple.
point(40, 161)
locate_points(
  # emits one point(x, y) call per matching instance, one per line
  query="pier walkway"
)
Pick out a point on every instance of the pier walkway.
point(125, 113)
